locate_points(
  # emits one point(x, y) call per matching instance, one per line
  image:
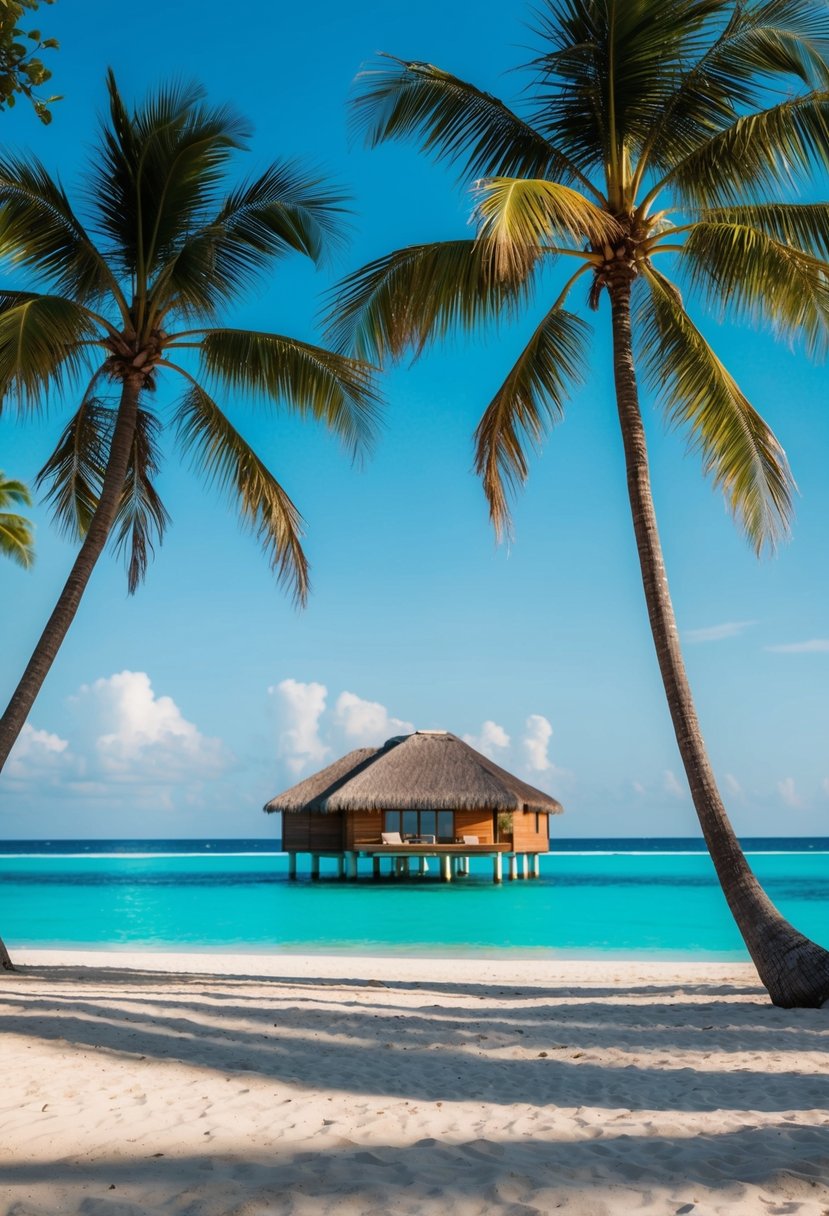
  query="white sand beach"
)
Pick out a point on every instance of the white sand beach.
point(221, 1085)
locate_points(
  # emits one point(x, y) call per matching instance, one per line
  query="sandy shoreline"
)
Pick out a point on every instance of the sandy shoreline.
point(221, 1085)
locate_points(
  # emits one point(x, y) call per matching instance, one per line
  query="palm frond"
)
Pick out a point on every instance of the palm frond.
point(283, 210)
point(519, 217)
point(803, 226)
point(41, 345)
point(142, 517)
point(453, 122)
point(739, 450)
point(606, 71)
point(13, 493)
point(17, 539)
point(332, 388)
point(40, 232)
point(758, 44)
point(528, 403)
point(74, 473)
point(220, 453)
point(753, 275)
point(417, 295)
point(768, 149)
point(158, 170)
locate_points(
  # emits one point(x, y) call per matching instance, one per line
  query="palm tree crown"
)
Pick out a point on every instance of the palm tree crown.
point(16, 535)
point(167, 247)
point(656, 134)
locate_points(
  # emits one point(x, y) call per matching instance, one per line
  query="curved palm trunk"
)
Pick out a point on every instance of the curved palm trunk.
point(794, 969)
point(69, 599)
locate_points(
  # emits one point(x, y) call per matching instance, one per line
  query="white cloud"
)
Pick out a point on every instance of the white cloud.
point(788, 792)
point(536, 743)
point(139, 736)
point(367, 723)
point(639, 789)
point(673, 786)
point(37, 755)
point(299, 707)
point(718, 633)
point(813, 646)
point(493, 738)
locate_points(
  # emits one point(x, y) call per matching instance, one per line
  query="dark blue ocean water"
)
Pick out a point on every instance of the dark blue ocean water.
point(617, 897)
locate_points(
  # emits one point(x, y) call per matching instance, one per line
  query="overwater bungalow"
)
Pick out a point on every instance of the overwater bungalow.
point(422, 796)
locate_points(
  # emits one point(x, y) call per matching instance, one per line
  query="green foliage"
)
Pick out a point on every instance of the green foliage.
point(179, 243)
point(22, 71)
point(711, 110)
point(16, 532)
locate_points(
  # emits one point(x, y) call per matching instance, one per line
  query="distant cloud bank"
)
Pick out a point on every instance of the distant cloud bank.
point(813, 646)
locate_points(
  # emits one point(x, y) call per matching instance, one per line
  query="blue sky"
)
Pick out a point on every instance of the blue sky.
point(179, 711)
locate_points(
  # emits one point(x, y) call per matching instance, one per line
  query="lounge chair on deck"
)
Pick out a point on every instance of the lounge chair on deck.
point(391, 838)
point(470, 840)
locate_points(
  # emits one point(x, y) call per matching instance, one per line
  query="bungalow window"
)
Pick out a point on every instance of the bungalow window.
point(440, 824)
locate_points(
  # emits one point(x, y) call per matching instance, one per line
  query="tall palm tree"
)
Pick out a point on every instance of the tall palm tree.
point(16, 535)
point(655, 138)
point(173, 246)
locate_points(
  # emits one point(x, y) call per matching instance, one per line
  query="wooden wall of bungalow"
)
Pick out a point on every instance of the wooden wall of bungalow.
point(313, 832)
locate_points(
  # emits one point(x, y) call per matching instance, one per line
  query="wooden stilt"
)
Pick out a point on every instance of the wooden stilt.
point(292, 865)
point(525, 869)
point(375, 867)
point(535, 865)
point(351, 864)
point(513, 867)
point(497, 868)
point(341, 866)
point(315, 865)
point(446, 868)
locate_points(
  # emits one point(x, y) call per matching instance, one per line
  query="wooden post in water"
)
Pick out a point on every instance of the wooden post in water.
point(375, 867)
point(446, 868)
point(497, 868)
point(525, 869)
point(351, 864)
point(315, 865)
point(536, 865)
point(513, 867)
point(341, 866)
point(292, 865)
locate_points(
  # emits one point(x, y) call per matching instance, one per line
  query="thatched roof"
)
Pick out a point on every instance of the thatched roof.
point(429, 770)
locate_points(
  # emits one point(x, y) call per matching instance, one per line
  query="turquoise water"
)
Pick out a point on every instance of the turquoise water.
point(588, 904)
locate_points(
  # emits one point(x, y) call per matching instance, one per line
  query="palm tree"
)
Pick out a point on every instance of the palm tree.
point(174, 245)
point(655, 136)
point(16, 535)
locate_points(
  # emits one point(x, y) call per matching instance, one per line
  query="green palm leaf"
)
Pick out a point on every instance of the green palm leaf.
point(40, 232)
point(409, 298)
point(757, 43)
point(528, 403)
point(804, 226)
point(142, 517)
point(160, 172)
point(221, 454)
point(764, 150)
point(282, 210)
point(739, 450)
point(306, 379)
point(520, 218)
point(42, 343)
point(454, 122)
point(752, 274)
point(74, 473)
point(16, 532)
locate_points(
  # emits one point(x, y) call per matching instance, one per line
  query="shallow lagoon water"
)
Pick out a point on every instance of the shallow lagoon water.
point(597, 901)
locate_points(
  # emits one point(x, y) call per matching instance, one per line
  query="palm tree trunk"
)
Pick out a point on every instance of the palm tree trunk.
point(69, 599)
point(794, 969)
